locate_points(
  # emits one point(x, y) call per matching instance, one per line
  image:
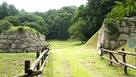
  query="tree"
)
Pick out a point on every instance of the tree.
point(12, 10)
point(13, 20)
point(4, 10)
point(33, 21)
point(34, 25)
point(93, 14)
point(58, 21)
point(7, 10)
point(77, 31)
point(5, 25)
point(123, 9)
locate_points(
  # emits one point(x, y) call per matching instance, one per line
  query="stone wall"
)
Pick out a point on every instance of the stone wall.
point(15, 41)
point(126, 28)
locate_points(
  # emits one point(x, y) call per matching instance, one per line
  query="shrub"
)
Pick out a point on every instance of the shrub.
point(5, 25)
point(22, 28)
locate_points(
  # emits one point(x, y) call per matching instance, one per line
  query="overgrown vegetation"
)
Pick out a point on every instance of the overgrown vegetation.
point(22, 28)
point(113, 28)
point(5, 25)
point(126, 8)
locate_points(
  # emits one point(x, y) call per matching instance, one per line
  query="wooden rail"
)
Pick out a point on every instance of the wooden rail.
point(116, 61)
point(30, 71)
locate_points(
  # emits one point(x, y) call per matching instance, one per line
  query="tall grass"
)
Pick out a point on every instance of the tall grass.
point(12, 64)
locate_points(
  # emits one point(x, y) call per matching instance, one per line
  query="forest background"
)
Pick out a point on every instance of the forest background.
point(79, 23)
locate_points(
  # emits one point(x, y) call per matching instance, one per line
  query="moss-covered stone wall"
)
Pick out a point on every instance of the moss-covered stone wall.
point(14, 41)
point(125, 28)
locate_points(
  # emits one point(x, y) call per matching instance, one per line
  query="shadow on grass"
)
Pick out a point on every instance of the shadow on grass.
point(78, 44)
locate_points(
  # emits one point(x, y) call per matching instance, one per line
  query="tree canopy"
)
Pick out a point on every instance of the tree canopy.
point(70, 21)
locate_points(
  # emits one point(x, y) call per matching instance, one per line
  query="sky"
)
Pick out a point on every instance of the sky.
point(42, 5)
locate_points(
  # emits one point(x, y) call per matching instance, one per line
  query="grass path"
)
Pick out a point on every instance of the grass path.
point(71, 59)
point(66, 59)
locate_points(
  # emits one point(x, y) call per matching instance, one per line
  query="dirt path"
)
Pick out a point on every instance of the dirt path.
point(79, 61)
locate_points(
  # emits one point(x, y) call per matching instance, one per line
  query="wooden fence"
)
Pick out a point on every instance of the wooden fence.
point(113, 59)
point(38, 66)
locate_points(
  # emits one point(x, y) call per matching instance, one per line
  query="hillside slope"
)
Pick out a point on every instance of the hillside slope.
point(92, 42)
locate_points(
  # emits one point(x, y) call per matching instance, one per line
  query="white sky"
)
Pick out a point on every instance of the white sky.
point(42, 5)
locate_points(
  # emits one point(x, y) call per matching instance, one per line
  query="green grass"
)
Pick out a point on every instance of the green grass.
point(12, 64)
point(66, 59)
point(71, 59)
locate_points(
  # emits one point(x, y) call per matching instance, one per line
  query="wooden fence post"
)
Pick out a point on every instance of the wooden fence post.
point(110, 54)
point(27, 65)
point(101, 53)
point(42, 57)
point(37, 55)
point(124, 60)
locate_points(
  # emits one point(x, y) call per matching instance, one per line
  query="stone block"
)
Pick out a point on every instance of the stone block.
point(3, 36)
point(18, 41)
point(125, 29)
point(131, 23)
point(1, 50)
point(13, 45)
point(123, 37)
point(105, 36)
point(132, 34)
point(122, 42)
point(123, 23)
point(6, 46)
point(106, 44)
point(10, 41)
point(120, 29)
point(112, 44)
point(117, 44)
point(135, 31)
point(3, 41)
point(132, 29)
point(12, 37)
point(1, 45)
point(132, 19)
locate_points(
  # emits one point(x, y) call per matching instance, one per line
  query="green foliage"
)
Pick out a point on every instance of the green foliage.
point(22, 28)
point(33, 21)
point(72, 56)
point(93, 14)
point(7, 10)
point(33, 25)
point(58, 21)
point(13, 20)
point(123, 9)
point(77, 30)
point(5, 25)
point(120, 10)
point(113, 28)
point(12, 64)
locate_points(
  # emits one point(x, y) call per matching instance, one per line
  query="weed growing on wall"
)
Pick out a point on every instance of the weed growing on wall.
point(113, 28)
point(22, 28)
